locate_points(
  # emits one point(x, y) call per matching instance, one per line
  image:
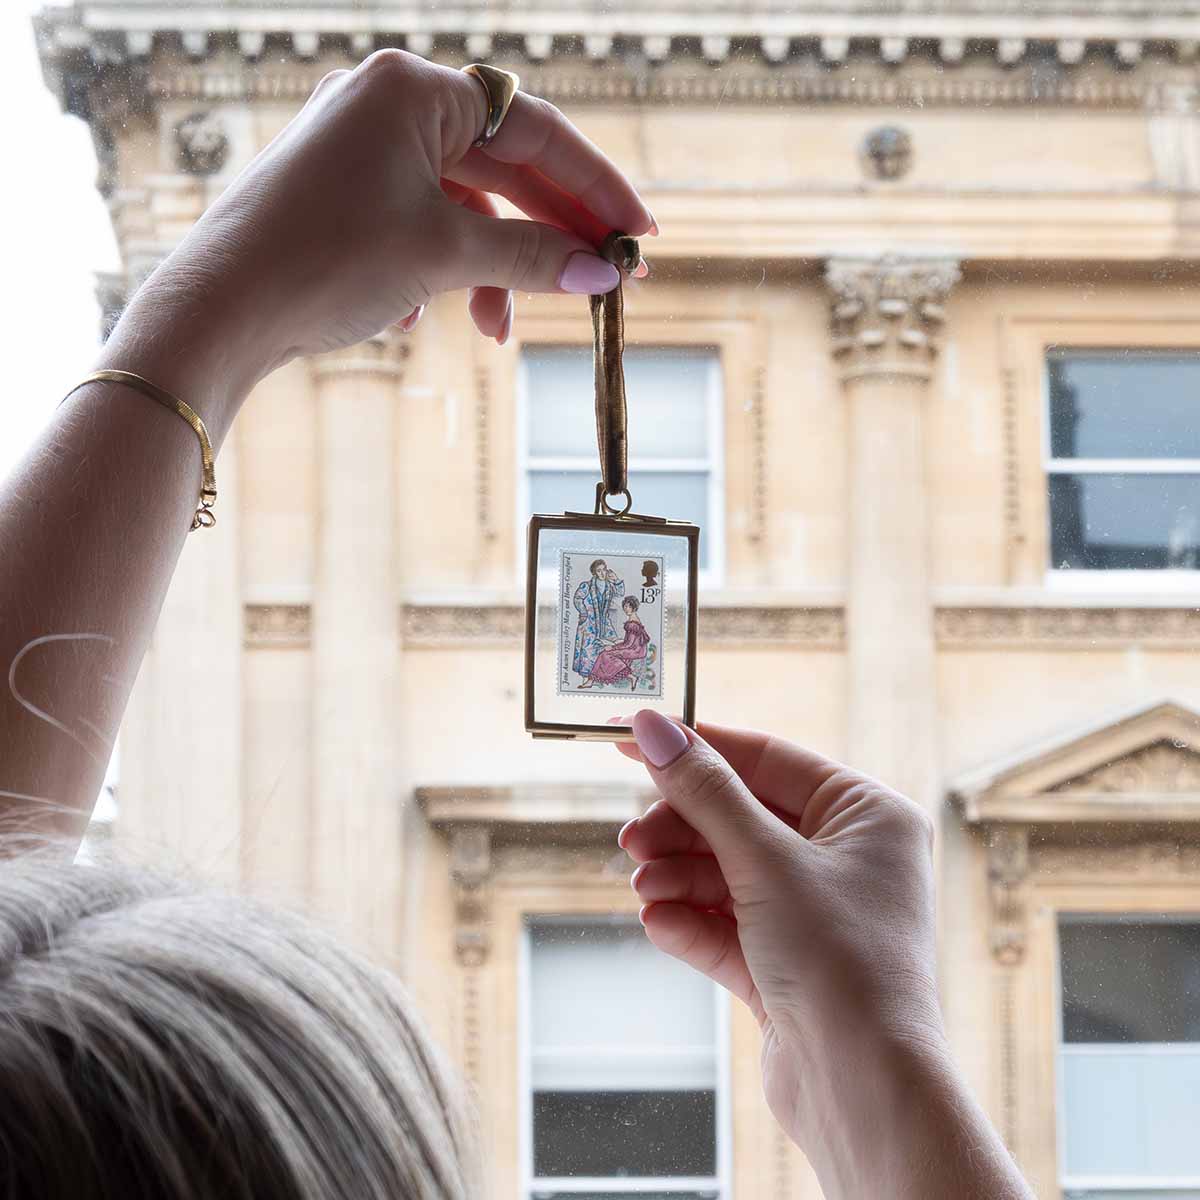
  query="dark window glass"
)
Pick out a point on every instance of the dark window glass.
point(538, 1194)
point(618, 1134)
point(1124, 404)
point(1125, 521)
point(1130, 981)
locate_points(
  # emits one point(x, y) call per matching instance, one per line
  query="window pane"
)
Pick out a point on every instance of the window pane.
point(681, 495)
point(1124, 404)
point(712, 1193)
point(1130, 981)
point(1131, 1113)
point(597, 1017)
point(667, 389)
point(623, 1055)
point(1125, 521)
point(624, 1134)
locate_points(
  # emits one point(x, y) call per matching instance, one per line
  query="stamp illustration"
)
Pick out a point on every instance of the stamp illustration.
point(610, 624)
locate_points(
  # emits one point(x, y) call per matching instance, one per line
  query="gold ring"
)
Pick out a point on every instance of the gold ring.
point(500, 87)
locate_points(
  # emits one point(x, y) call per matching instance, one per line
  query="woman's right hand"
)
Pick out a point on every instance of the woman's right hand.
point(806, 889)
point(372, 201)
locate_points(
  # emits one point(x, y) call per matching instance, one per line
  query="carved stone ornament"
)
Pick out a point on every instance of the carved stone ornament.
point(471, 870)
point(201, 144)
point(1008, 867)
point(1162, 769)
point(887, 313)
point(887, 152)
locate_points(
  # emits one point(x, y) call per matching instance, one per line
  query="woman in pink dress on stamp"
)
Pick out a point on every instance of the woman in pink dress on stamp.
point(615, 663)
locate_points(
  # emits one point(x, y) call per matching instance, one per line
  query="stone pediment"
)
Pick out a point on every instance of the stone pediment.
point(1138, 766)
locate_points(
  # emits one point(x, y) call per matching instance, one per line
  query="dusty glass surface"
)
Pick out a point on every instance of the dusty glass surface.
point(624, 1047)
point(1130, 1047)
point(1124, 445)
point(919, 354)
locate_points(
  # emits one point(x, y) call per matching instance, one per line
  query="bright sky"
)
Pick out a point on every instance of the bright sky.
point(56, 236)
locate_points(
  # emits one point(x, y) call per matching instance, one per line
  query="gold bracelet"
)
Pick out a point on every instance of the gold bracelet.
point(205, 518)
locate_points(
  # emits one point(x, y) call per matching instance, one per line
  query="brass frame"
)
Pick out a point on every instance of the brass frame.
point(628, 523)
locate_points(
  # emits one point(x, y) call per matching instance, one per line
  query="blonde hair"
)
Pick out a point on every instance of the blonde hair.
point(160, 1042)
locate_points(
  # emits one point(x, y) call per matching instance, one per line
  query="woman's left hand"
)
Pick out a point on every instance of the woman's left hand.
point(372, 201)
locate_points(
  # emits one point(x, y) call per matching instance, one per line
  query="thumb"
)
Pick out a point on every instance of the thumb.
point(709, 795)
point(525, 256)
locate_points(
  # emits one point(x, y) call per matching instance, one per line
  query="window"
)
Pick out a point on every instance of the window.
point(1124, 465)
point(1129, 1059)
point(623, 1087)
point(675, 436)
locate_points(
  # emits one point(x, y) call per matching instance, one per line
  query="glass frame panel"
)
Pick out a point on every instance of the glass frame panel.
point(632, 524)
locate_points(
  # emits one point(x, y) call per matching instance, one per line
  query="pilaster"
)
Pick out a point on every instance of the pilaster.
point(355, 643)
point(887, 317)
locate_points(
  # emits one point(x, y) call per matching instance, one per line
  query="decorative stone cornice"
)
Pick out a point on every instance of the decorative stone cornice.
point(1124, 780)
point(1138, 767)
point(433, 626)
point(775, 51)
point(276, 626)
point(886, 314)
point(444, 626)
point(1066, 628)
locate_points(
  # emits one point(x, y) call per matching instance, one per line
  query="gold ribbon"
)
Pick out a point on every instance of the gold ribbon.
point(608, 345)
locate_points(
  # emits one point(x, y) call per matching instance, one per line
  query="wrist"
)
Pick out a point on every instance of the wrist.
point(193, 340)
point(869, 1106)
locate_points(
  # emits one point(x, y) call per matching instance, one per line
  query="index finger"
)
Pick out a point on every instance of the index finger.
point(780, 773)
point(536, 134)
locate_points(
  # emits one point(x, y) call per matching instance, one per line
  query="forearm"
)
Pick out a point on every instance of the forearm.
point(903, 1124)
point(92, 522)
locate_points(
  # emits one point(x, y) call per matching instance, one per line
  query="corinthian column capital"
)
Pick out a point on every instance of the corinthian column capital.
point(887, 313)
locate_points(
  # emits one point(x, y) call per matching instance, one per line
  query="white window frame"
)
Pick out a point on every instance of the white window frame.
point(711, 576)
point(1091, 580)
point(1084, 1184)
point(717, 1187)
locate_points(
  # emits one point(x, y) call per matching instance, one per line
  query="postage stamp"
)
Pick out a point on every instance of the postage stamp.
point(610, 623)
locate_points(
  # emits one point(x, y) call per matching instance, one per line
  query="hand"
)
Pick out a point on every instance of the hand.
point(806, 890)
point(372, 201)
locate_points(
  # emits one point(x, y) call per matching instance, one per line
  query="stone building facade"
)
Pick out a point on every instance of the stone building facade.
point(905, 240)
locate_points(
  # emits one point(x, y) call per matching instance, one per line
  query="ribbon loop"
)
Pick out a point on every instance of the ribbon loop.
point(608, 346)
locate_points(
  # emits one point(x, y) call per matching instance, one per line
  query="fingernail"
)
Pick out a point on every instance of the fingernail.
point(660, 740)
point(643, 911)
point(642, 269)
point(653, 230)
point(588, 274)
point(625, 830)
point(412, 318)
point(506, 328)
point(633, 879)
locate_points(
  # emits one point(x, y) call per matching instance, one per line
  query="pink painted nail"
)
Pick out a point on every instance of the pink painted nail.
point(588, 274)
point(641, 270)
point(643, 911)
point(506, 328)
point(413, 317)
point(633, 879)
point(653, 230)
point(625, 831)
point(660, 740)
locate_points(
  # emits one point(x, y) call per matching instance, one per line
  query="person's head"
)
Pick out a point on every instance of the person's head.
point(161, 1043)
point(629, 605)
point(599, 569)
